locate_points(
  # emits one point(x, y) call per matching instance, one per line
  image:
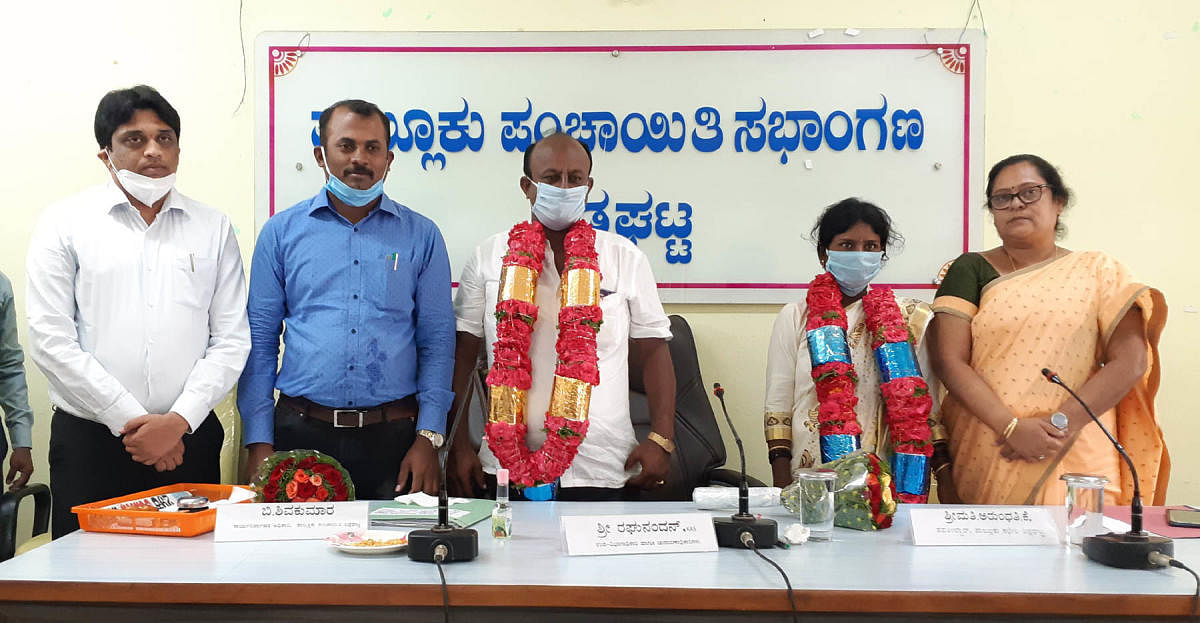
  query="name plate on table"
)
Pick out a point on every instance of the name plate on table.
point(596, 535)
point(984, 525)
point(285, 522)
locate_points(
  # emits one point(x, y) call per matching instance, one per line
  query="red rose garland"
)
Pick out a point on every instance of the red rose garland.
point(907, 402)
point(511, 372)
point(835, 381)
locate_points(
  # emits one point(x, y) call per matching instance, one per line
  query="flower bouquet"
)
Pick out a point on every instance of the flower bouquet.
point(302, 476)
point(864, 494)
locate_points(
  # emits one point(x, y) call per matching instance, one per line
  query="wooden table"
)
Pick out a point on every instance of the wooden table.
point(110, 577)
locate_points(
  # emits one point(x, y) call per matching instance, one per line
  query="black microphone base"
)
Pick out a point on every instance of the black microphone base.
point(730, 529)
point(1126, 551)
point(462, 544)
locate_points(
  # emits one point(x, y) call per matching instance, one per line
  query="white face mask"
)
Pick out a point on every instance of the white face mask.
point(558, 208)
point(144, 189)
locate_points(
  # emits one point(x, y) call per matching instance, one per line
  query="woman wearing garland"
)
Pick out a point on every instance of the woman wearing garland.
point(1005, 314)
point(818, 408)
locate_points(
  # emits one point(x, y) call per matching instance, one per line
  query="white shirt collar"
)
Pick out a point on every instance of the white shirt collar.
point(116, 197)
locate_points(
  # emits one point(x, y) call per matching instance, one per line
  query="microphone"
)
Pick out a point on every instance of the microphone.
point(742, 530)
point(444, 542)
point(1134, 549)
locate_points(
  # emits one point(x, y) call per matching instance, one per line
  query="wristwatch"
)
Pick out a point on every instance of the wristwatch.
point(1060, 420)
point(435, 439)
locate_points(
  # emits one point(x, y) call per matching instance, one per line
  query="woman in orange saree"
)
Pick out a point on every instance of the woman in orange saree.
point(1003, 315)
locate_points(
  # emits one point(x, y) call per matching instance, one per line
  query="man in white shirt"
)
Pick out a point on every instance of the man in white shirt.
point(136, 303)
point(605, 467)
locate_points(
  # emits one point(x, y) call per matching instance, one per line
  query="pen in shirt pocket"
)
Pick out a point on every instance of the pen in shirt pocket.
point(192, 261)
point(395, 261)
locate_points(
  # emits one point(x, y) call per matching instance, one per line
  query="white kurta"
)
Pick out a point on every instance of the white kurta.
point(790, 388)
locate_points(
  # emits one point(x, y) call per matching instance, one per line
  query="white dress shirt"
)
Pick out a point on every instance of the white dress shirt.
point(629, 300)
point(127, 319)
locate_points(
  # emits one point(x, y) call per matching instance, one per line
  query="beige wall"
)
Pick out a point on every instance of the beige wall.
point(1107, 90)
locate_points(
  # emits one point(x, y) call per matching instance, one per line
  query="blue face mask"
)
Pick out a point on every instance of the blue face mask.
point(350, 196)
point(854, 270)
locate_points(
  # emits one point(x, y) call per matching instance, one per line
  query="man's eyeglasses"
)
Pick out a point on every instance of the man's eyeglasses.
point(1002, 201)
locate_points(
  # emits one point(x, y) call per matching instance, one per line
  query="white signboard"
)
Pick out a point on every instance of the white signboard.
point(714, 151)
point(984, 525)
point(593, 535)
point(284, 522)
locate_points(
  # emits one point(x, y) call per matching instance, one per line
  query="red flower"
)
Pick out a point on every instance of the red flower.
point(824, 302)
point(586, 372)
point(307, 462)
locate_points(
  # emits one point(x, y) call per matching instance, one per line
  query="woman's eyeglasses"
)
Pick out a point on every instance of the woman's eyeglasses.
point(1002, 201)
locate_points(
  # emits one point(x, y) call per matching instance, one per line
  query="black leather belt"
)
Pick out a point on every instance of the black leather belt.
point(403, 409)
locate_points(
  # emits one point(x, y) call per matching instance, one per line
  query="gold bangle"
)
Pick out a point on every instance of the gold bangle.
point(1008, 430)
point(663, 442)
point(941, 467)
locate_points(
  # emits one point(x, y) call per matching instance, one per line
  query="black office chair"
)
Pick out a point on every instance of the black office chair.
point(9, 503)
point(699, 448)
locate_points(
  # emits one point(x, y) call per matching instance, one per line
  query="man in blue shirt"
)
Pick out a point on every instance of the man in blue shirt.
point(362, 284)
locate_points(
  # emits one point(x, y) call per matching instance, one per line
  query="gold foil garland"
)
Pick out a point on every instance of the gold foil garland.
point(570, 399)
point(580, 286)
point(518, 283)
point(507, 405)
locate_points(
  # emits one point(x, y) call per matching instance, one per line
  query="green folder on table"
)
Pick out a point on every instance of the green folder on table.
point(398, 515)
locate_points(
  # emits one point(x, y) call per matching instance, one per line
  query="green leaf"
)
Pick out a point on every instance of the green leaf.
point(565, 433)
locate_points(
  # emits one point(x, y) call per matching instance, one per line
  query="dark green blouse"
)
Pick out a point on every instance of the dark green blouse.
point(966, 278)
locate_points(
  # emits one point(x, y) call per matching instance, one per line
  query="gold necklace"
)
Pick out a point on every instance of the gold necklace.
point(1010, 259)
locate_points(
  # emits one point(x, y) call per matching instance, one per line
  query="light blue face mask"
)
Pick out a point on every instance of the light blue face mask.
point(558, 208)
point(350, 196)
point(854, 270)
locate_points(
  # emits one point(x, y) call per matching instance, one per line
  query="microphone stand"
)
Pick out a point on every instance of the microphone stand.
point(742, 530)
point(1131, 550)
point(444, 542)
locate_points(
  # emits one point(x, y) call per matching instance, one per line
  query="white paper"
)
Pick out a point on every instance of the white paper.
point(420, 498)
point(282, 522)
point(408, 513)
point(984, 525)
point(593, 535)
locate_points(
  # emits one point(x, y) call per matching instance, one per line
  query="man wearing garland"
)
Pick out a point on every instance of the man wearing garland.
point(362, 285)
point(560, 307)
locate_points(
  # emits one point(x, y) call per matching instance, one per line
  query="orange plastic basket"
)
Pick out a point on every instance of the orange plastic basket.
point(95, 518)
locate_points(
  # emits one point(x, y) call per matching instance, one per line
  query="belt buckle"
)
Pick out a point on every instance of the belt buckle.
point(338, 412)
